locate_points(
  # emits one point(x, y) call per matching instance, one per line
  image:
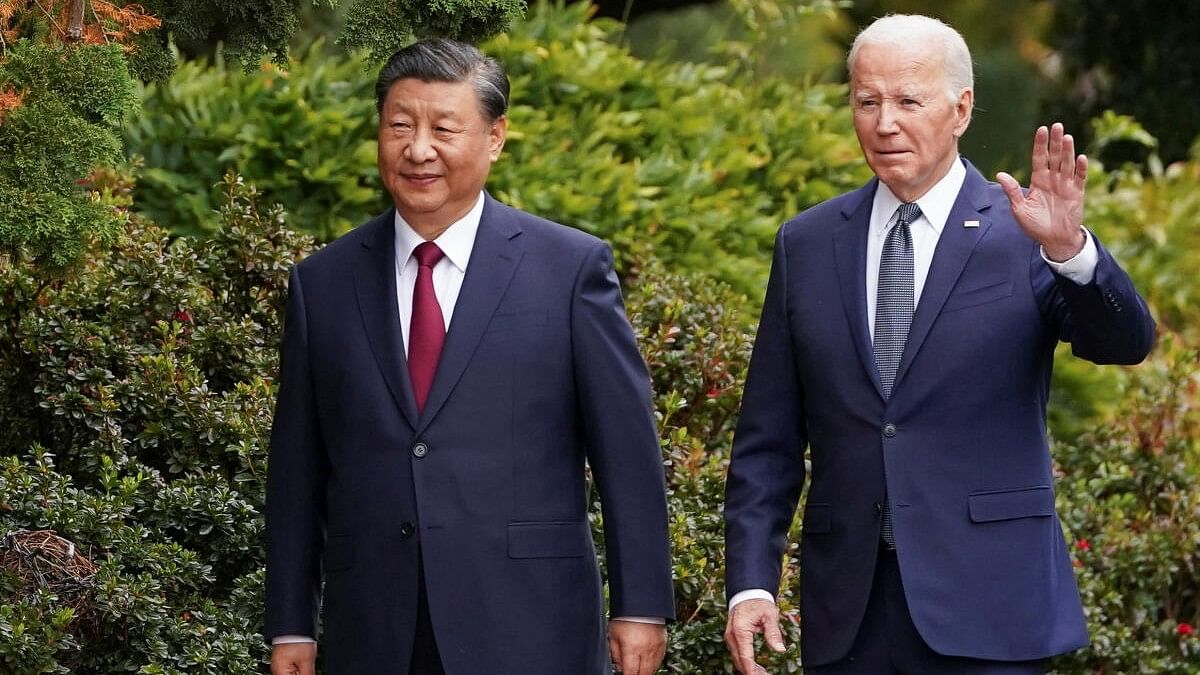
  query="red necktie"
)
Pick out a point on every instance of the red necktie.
point(427, 330)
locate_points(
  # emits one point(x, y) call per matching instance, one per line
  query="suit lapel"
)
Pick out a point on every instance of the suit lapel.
point(954, 248)
point(375, 286)
point(850, 253)
point(494, 258)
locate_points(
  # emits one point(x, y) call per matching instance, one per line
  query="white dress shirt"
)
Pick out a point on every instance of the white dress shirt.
point(935, 210)
point(456, 243)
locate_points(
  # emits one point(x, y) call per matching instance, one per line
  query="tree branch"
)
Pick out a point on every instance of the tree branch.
point(75, 27)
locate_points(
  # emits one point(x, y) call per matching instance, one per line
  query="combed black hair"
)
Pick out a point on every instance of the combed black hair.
point(443, 60)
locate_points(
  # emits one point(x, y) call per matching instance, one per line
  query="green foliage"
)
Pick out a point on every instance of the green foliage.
point(383, 26)
point(691, 158)
point(249, 30)
point(693, 337)
point(50, 143)
point(1130, 498)
point(1146, 216)
point(307, 133)
point(148, 374)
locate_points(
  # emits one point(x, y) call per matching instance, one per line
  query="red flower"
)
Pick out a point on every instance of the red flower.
point(1083, 545)
point(713, 392)
point(182, 316)
point(1185, 629)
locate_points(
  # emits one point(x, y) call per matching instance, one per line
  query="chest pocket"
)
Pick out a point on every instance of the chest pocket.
point(534, 318)
point(979, 295)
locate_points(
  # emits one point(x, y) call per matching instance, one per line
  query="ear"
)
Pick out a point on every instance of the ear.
point(496, 137)
point(963, 110)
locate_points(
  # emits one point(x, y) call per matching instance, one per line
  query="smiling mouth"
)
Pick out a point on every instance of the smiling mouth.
point(420, 179)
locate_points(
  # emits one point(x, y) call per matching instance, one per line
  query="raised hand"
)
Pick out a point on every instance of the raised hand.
point(1051, 213)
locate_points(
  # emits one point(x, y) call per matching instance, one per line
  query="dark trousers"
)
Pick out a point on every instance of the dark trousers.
point(888, 643)
point(425, 657)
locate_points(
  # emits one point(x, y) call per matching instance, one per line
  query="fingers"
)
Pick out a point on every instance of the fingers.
point(637, 648)
point(614, 648)
point(745, 620)
point(294, 659)
point(1055, 148)
point(1041, 153)
point(1081, 167)
point(774, 636)
point(1012, 189)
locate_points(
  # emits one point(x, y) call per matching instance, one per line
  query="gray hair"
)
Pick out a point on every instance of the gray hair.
point(442, 60)
point(900, 29)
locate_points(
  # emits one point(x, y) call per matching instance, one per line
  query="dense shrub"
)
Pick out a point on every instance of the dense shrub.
point(136, 401)
point(307, 135)
point(58, 110)
point(1130, 500)
point(694, 158)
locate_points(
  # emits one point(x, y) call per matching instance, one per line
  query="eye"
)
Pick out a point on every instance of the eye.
point(910, 102)
point(400, 126)
point(867, 103)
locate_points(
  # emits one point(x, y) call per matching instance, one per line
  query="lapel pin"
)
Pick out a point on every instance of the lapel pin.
point(970, 223)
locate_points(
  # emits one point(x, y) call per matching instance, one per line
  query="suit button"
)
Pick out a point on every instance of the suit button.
point(406, 529)
point(889, 430)
point(420, 450)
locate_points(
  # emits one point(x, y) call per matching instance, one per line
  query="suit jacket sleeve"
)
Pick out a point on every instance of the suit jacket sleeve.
point(295, 485)
point(621, 439)
point(1106, 321)
point(766, 472)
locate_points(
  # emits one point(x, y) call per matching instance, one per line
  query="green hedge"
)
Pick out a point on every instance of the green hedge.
point(697, 159)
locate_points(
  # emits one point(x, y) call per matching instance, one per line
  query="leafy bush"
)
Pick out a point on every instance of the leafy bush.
point(68, 101)
point(136, 400)
point(1130, 499)
point(307, 135)
point(702, 162)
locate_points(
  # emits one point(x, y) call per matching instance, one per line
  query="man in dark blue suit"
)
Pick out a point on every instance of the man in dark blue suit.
point(906, 340)
point(448, 370)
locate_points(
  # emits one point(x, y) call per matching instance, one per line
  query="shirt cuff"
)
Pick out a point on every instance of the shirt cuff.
point(642, 619)
point(290, 639)
point(1082, 268)
point(750, 594)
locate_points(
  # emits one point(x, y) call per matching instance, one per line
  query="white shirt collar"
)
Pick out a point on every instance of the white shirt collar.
point(935, 203)
point(456, 241)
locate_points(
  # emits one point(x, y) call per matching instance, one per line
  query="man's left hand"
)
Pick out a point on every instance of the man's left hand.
point(637, 648)
point(1051, 213)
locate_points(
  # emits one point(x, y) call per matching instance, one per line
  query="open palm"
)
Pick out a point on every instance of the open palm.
point(1051, 212)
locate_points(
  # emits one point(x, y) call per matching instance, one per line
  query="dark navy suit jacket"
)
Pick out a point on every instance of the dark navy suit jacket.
point(539, 374)
point(960, 447)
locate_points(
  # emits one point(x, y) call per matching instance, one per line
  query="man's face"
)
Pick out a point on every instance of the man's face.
point(907, 125)
point(435, 151)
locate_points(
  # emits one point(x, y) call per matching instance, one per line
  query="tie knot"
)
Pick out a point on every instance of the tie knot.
point(427, 254)
point(906, 213)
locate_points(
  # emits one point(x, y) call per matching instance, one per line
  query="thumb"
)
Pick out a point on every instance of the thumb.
point(1012, 189)
point(773, 635)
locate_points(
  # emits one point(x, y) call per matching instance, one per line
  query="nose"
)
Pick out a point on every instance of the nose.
point(885, 122)
point(420, 147)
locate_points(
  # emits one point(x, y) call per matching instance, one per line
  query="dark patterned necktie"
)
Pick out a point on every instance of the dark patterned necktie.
point(893, 317)
point(427, 329)
point(894, 299)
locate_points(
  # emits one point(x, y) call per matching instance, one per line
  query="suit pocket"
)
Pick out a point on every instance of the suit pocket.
point(994, 505)
point(980, 295)
point(818, 519)
point(558, 539)
point(339, 553)
point(506, 320)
